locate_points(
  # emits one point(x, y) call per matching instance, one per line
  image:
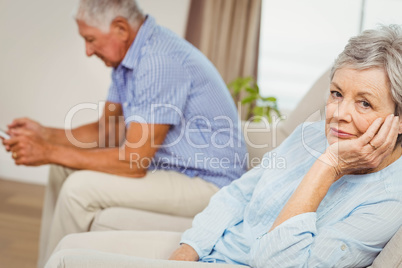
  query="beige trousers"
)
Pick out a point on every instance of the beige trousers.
point(73, 198)
point(149, 249)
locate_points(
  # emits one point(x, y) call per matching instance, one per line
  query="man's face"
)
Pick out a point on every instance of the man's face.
point(106, 46)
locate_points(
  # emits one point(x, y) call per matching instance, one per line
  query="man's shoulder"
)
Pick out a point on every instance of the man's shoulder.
point(163, 41)
point(159, 53)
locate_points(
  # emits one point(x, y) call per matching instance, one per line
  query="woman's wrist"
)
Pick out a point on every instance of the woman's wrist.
point(332, 164)
point(184, 253)
point(190, 251)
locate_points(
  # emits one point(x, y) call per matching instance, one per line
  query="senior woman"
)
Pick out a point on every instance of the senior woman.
point(335, 204)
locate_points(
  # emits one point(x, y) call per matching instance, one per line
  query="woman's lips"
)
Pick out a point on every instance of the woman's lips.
point(340, 134)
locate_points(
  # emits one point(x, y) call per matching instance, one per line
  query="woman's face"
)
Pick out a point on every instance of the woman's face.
point(357, 98)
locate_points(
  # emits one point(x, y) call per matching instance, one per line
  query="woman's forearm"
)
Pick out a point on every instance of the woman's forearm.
point(310, 192)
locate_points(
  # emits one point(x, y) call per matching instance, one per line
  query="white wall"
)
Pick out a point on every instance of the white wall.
point(44, 71)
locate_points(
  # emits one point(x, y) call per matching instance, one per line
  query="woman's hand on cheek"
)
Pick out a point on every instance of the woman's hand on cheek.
point(366, 152)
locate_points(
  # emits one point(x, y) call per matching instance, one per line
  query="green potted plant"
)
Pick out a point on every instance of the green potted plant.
point(256, 105)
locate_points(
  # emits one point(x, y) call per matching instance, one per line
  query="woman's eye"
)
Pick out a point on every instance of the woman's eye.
point(365, 104)
point(336, 94)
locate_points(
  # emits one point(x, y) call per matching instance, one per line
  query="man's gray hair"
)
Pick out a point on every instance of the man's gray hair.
point(101, 13)
point(377, 48)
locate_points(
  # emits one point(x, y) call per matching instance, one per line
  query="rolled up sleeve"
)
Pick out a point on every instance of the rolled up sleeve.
point(225, 209)
point(352, 242)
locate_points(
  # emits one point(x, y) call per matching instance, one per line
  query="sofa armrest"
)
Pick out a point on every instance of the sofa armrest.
point(391, 255)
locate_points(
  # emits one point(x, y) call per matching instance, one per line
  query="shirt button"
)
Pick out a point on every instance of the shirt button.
point(125, 104)
point(343, 247)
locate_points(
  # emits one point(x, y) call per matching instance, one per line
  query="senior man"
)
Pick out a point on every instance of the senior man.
point(180, 122)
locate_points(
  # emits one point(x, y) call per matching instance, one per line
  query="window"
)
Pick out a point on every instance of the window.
point(300, 39)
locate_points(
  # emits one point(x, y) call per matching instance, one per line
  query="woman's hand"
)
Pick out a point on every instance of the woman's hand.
point(184, 253)
point(366, 152)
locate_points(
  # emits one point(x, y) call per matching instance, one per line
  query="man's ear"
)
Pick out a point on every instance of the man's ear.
point(121, 28)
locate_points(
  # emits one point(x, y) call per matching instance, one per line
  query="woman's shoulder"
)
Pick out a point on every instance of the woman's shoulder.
point(306, 143)
point(311, 138)
point(392, 177)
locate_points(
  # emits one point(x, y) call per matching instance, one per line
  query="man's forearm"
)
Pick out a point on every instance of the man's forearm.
point(87, 134)
point(103, 160)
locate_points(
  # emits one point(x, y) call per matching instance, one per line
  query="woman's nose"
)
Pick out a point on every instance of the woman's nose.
point(342, 111)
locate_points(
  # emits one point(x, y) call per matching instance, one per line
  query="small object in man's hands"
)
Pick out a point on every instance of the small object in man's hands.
point(4, 135)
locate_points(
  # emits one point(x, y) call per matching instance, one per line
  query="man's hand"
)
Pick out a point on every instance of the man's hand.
point(28, 124)
point(28, 148)
point(366, 152)
point(184, 253)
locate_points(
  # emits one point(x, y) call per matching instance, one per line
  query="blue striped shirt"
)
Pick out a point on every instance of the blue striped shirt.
point(163, 79)
point(354, 221)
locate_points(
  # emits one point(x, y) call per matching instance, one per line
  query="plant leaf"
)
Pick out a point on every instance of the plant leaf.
point(257, 88)
point(272, 99)
point(258, 110)
point(251, 90)
point(249, 85)
point(248, 100)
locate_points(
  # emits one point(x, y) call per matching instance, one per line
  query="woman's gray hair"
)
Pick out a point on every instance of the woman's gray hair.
point(377, 48)
point(101, 13)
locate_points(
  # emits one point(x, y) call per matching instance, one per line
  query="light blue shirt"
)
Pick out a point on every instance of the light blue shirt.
point(354, 221)
point(163, 79)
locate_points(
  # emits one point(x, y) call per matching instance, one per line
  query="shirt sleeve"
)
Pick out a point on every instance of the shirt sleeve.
point(353, 242)
point(160, 91)
point(225, 209)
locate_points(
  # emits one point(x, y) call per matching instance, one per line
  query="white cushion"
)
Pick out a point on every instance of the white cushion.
point(119, 218)
point(391, 255)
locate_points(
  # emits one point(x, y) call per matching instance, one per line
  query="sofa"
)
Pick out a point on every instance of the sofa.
point(260, 138)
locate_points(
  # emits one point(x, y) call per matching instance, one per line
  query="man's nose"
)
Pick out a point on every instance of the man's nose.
point(343, 111)
point(89, 49)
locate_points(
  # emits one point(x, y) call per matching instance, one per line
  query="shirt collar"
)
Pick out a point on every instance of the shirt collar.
point(143, 34)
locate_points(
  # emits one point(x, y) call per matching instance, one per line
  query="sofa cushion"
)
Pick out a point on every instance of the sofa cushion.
point(119, 218)
point(391, 255)
point(260, 138)
point(91, 258)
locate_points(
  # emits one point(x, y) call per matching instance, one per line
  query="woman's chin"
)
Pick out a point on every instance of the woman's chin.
point(334, 139)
